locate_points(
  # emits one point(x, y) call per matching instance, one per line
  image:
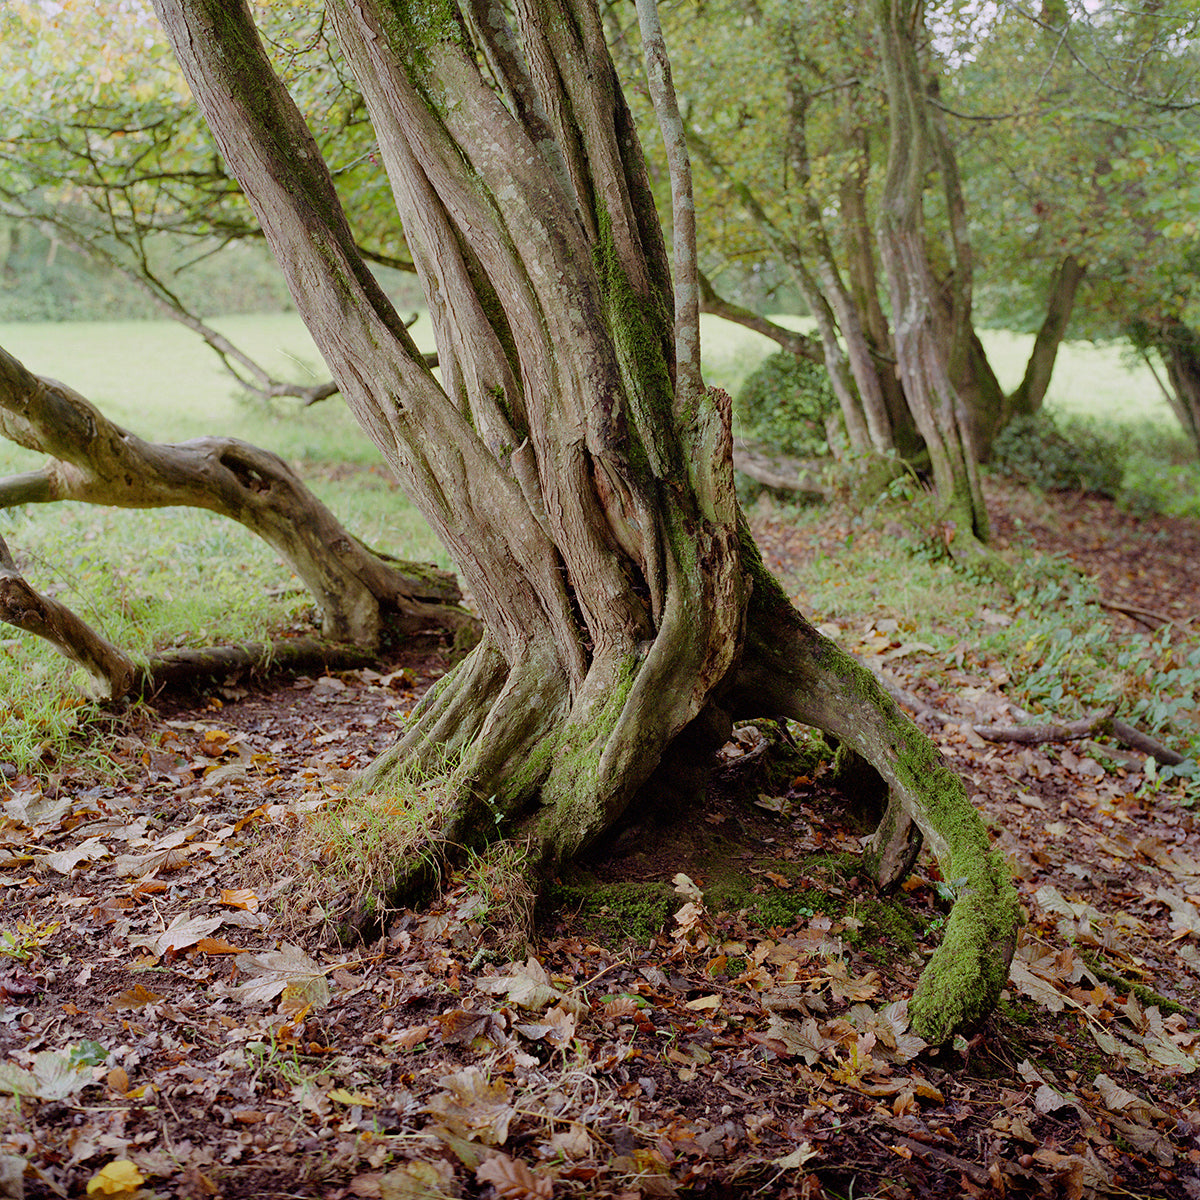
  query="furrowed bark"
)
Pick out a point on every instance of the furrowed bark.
point(96, 461)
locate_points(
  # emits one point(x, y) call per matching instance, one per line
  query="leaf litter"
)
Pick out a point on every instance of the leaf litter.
point(174, 1020)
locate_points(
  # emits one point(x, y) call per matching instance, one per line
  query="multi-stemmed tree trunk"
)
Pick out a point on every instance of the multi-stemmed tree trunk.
point(571, 458)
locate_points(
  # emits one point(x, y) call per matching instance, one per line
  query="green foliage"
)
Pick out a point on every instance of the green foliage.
point(1065, 659)
point(41, 280)
point(1068, 455)
point(26, 939)
point(785, 403)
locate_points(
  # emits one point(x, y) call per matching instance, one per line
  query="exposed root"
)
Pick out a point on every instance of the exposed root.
point(789, 667)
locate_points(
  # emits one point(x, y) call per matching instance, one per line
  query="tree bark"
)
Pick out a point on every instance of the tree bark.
point(799, 344)
point(573, 464)
point(928, 333)
point(98, 462)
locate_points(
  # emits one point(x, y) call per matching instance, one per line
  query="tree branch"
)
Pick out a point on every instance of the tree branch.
point(98, 462)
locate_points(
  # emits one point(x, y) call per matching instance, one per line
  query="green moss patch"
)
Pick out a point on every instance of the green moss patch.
point(612, 913)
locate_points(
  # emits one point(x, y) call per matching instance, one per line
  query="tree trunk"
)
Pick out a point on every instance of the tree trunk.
point(927, 332)
point(1026, 399)
point(1179, 346)
point(573, 463)
point(98, 462)
point(864, 293)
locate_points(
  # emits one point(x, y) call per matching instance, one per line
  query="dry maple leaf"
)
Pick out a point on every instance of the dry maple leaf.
point(513, 1179)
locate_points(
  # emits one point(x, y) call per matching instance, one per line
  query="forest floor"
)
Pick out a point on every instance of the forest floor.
point(716, 1012)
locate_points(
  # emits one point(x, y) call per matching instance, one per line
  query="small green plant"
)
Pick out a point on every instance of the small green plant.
point(785, 403)
point(22, 942)
point(275, 1064)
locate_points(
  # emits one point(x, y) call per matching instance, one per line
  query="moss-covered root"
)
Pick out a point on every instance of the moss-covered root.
point(962, 982)
point(790, 668)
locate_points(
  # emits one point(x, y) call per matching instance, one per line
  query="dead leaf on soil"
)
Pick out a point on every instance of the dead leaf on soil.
point(137, 996)
point(527, 985)
point(240, 898)
point(418, 1181)
point(53, 1077)
point(474, 1107)
point(274, 972)
point(65, 861)
point(513, 1180)
point(182, 933)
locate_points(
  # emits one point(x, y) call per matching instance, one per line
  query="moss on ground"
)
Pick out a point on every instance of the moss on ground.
point(613, 913)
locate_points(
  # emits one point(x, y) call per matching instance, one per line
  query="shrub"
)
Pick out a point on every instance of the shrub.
point(1070, 457)
point(785, 403)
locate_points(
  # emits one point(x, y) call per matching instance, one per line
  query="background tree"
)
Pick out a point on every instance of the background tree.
point(1079, 128)
point(573, 462)
point(801, 160)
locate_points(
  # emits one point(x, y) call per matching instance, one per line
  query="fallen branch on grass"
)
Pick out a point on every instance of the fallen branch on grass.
point(117, 675)
point(1144, 616)
point(70, 635)
point(780, 472)
point(98, 462)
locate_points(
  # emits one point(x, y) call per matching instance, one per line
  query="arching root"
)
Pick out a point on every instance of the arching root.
point(790, 668)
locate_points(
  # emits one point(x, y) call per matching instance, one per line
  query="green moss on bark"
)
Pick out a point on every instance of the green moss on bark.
point(641, 333)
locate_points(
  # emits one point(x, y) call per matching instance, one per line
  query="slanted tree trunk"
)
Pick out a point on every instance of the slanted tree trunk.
point(1179, 346)
point(1026, 399)
point(96, 461)
point(573, 462)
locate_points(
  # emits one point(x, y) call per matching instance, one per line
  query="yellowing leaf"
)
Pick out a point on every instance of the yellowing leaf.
point(119, 1178)
point(704, 1004)
point(342, 1096)
point(240, 898)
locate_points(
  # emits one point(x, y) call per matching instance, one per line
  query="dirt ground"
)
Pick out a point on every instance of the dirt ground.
point(718, 1012)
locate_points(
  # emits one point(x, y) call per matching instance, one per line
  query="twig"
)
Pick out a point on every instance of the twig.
point(1144, 616)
